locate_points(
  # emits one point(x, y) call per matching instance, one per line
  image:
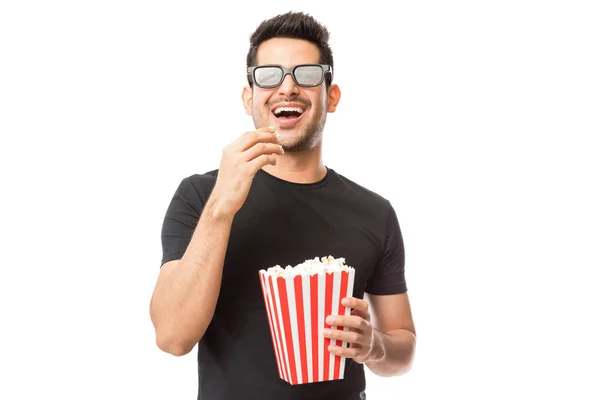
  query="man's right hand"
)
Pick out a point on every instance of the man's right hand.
point(240, 162)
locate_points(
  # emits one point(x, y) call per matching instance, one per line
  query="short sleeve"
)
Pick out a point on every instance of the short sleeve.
point(388, 276)
point(180, 221)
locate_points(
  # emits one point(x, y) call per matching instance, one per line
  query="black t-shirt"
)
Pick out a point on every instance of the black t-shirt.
point(283, 223)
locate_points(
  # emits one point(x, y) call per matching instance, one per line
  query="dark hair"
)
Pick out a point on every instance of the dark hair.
point(294, 25)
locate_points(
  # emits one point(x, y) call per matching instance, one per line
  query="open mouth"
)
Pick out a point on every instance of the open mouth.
point(288, 115)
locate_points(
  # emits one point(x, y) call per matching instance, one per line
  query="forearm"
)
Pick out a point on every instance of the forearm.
point(392, 352)
point(184, 301)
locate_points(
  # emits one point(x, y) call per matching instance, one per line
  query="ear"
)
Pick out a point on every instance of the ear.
point(333, 97)
point(247, 99)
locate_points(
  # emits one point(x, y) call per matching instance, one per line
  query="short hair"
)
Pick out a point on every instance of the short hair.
point(294, 25)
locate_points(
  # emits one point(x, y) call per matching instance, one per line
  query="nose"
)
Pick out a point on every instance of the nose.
point(288, 86)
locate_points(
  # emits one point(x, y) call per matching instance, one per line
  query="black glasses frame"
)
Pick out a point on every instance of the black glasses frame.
point(326, 69)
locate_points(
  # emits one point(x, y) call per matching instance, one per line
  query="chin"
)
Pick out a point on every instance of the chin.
point(301, 143)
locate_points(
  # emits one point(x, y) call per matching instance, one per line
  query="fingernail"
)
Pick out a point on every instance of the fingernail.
point(326, 332)
point(329, 320)
point(281, 147)
point(345, 301)
point(271, 128)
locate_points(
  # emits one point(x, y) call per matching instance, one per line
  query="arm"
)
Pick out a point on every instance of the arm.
point(394, 334)
point(382, 333)
point(387, 343)
point(186, 292)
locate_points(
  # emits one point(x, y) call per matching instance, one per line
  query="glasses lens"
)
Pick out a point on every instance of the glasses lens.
point(309, 75)
point(267, 76)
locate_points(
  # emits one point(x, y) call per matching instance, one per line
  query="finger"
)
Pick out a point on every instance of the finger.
point(362, 314)
point(260, 161)
point(249, 139)
point(261, 148)
point(357, 304)
point(348, 352)
point(351, 321)
point(352, 337)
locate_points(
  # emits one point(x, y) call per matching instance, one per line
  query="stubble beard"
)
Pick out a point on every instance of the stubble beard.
point(310, 136)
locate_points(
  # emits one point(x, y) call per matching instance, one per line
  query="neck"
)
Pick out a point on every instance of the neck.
point(299, 167)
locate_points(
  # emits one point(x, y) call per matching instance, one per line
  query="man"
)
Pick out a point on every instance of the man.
point(273, 201)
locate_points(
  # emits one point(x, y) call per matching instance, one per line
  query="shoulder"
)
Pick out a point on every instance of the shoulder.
point(361, 193)
point(202, 180)
point(197, 186)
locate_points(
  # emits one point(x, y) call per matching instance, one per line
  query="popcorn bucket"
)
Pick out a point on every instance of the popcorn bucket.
point(296, 309)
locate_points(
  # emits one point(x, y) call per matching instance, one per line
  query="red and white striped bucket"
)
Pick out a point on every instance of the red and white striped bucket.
point(296, 308)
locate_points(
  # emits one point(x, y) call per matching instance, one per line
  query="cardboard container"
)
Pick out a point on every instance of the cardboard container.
point(296, 309)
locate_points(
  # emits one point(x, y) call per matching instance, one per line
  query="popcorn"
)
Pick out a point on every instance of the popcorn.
point(310, 267)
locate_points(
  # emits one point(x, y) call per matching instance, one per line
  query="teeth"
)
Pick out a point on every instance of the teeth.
point(278, 110)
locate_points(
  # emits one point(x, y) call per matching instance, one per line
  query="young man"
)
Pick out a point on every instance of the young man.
point(273, 201)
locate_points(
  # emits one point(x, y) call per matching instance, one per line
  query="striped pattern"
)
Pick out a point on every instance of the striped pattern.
point(296, 309)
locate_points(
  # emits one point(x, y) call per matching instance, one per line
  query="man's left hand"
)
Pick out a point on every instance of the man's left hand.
point(360, 335)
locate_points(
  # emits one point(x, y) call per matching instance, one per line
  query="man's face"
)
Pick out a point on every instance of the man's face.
point(297, 131)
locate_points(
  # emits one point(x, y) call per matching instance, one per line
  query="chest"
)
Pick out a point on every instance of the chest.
point(287, 230)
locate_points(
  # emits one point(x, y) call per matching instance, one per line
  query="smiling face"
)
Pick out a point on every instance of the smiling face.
point(297, 113)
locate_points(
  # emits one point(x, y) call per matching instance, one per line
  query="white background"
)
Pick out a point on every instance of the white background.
point(477, 120)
